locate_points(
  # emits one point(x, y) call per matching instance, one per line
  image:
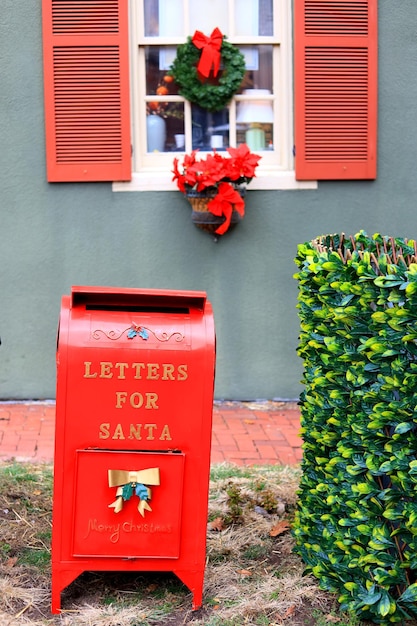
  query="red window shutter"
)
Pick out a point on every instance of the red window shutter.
point(86, 81)
point(335, 89)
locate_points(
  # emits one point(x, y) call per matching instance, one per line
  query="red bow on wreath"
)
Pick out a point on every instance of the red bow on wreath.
point(210, 56)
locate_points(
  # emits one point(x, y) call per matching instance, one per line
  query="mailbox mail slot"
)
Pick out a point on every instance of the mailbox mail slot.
point(135, 377)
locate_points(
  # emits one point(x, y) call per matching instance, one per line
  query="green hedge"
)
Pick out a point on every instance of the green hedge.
point(356, 522)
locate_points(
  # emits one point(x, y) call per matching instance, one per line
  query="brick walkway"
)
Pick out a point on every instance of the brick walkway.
point(245, 433)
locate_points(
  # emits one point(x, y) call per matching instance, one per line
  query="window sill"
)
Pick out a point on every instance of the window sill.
point(154, 180)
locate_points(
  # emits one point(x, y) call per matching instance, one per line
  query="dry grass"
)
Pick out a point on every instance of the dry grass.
point(251, 577)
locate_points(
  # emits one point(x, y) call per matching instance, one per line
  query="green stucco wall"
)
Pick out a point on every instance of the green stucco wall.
point(57, 235)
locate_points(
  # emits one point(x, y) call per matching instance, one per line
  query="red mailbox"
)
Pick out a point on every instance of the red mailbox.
point(135, 377)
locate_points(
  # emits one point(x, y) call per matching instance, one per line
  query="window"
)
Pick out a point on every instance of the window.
point(105, 59)
point(165, 124)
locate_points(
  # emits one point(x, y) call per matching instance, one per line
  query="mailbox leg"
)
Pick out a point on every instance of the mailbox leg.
point(60, 580)
point(197, 599)
point(55, 601)
point(194, 580)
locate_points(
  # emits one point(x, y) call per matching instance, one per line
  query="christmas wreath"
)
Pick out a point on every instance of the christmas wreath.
point(196, 68)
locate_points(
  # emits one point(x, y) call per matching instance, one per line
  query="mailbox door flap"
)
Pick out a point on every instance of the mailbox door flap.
point(131, 518)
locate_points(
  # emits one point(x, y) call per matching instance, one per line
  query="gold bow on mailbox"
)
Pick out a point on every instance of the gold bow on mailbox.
point(128, 483)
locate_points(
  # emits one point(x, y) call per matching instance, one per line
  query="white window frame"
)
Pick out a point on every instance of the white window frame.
point(152, 172)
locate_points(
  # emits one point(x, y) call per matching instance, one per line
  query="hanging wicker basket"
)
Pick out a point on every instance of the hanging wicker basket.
point(203, 218)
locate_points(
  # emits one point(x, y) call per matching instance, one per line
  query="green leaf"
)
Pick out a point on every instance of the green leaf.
point(386, 467)
point(351, 586)
point(379, 316)
point(365, 529)
point(388, 281)
point(331, 266)
point(393, 514)
point(410, 594)
point(377, 544)
point(411, 289)
point(386, 605)
point(364, 488)
point(387, 353)
point(370, 598)
point(347, 299)
point(403, 427)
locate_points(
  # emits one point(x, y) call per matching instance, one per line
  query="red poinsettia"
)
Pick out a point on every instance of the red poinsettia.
point(180, 178)
point(220, 175)
point(242, 163)
point(208, 172)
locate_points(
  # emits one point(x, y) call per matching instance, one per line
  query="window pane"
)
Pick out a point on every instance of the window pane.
point(157, 61)
point(258, 61)
point(210, 130)
point(165, 119)
point(163, 18)
point(253, 17)
point(246, 17)
point(254, 119)
point(150, 9)
point(165, 126)
point(205, 15)
point(266, 24)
